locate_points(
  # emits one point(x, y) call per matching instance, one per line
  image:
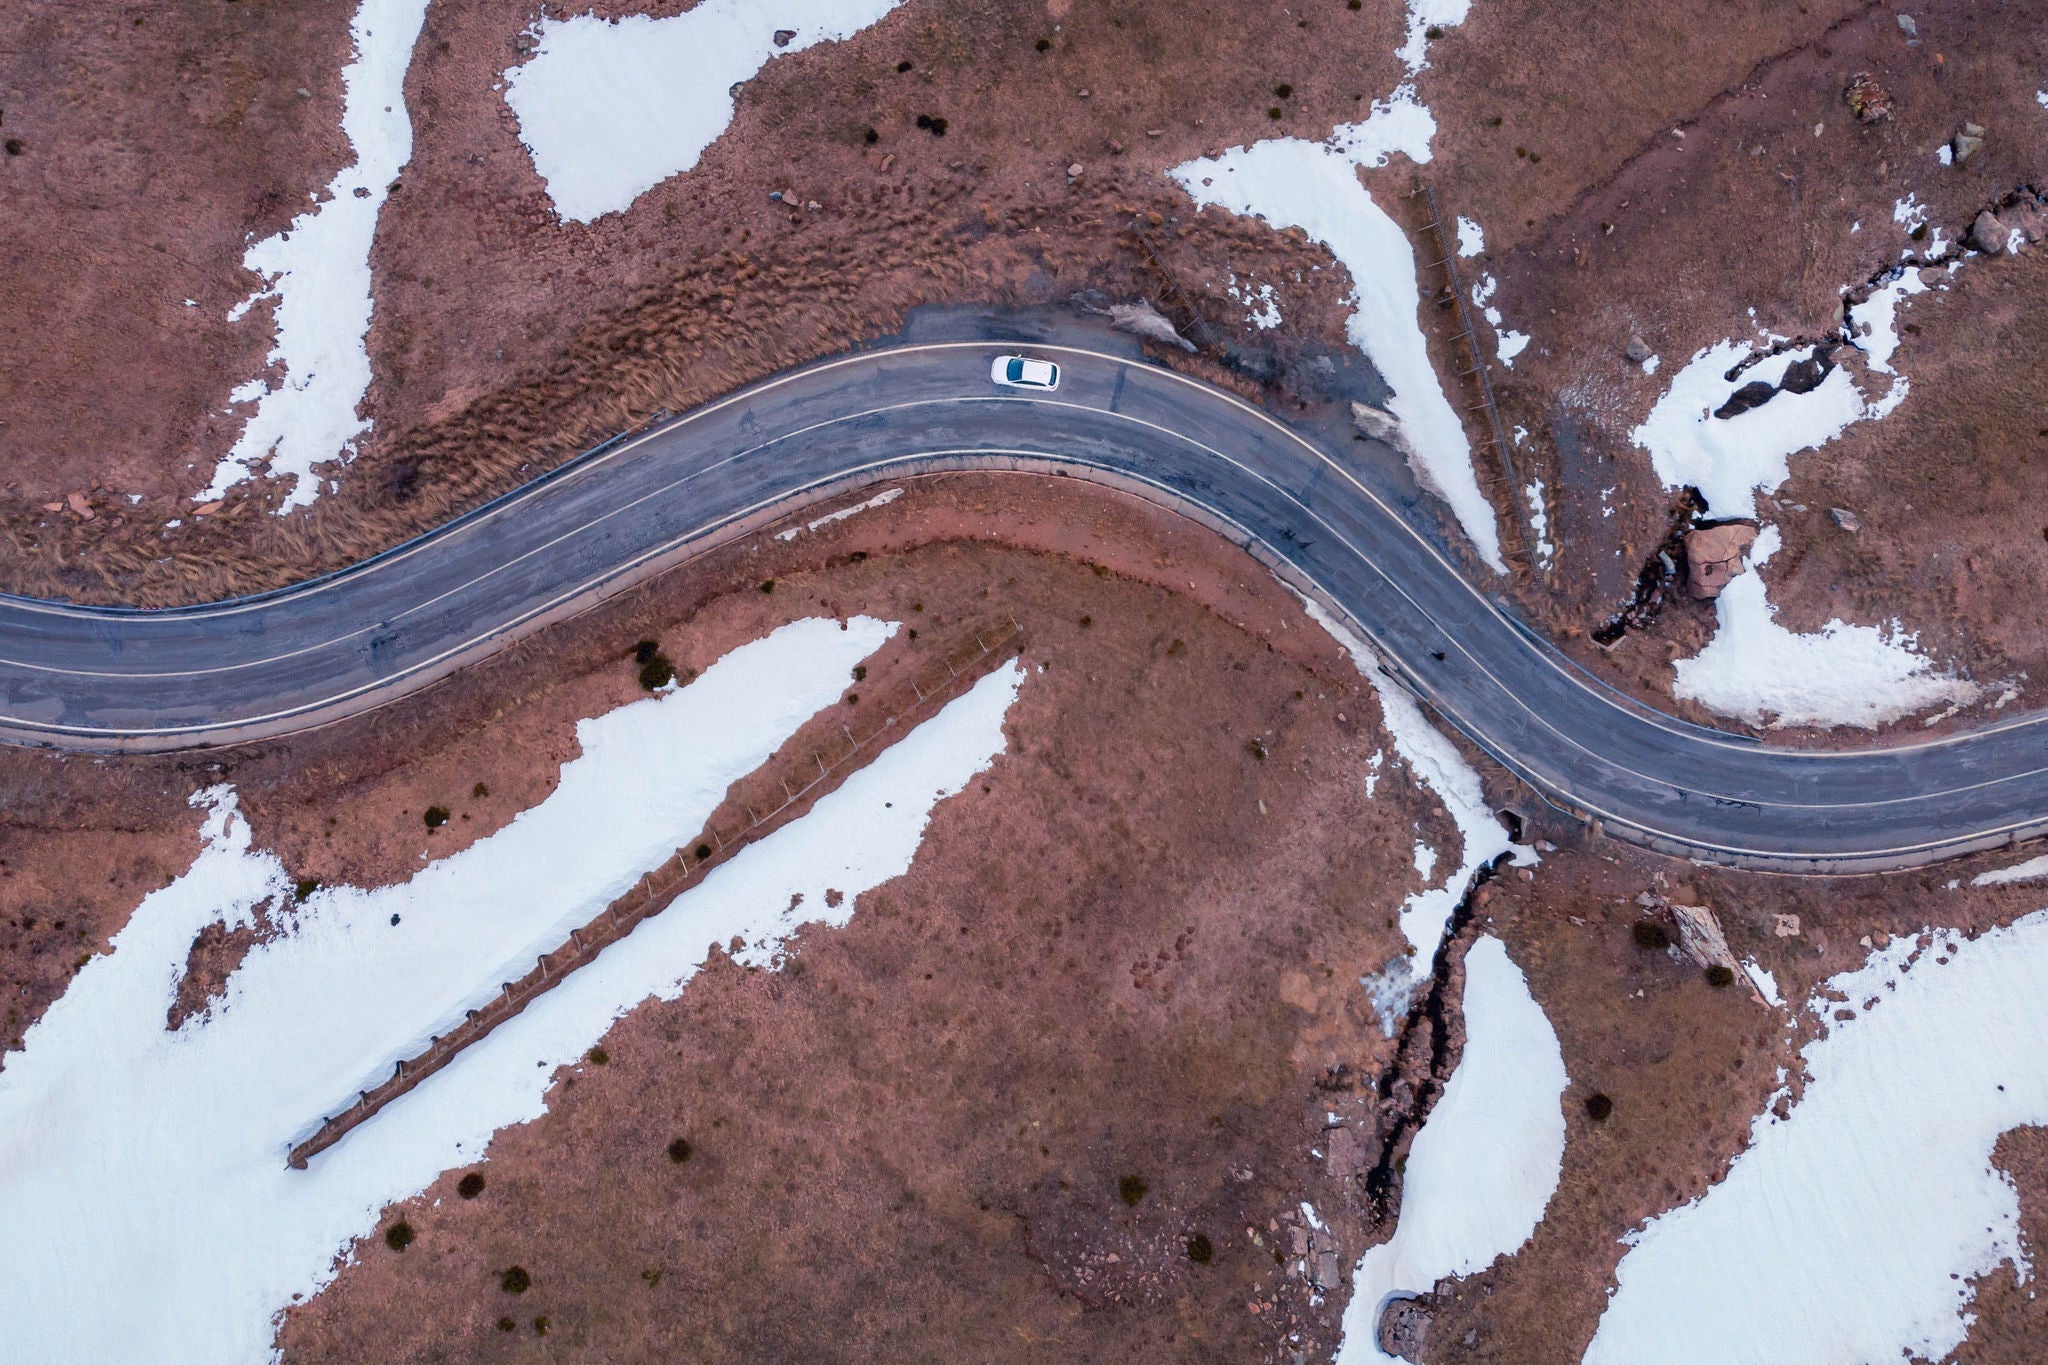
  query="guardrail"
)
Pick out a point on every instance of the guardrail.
point(916, 698)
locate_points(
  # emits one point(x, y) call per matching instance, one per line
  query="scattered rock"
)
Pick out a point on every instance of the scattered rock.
point(1867, 100)
point(1968, 143)
point(1908, 27)
point(1636, 350)
point(1404, 1328)
point(207, 509)
point(1699, 933)
point(1076, 171)
point(1785, 926)
point(80, 508)
point(1754, 394)
point(1991, 236)
point(1348, 1156)
point(1713, 556)
point(1323, 1271)
point(1845, 519)
point(1143, 320)
point(784, 36)
point(1804, 376)
point(1377, 424)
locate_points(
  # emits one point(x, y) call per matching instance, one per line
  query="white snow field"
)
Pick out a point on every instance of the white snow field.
point(1445, 774)
point(1850, 1231)
point(1730, 459)
point(1314, 186)
point(1842, 674)
point(609, 109)
point(149, 1210)
point(318, 272)
point(1291, 182)
point(1481, 1172)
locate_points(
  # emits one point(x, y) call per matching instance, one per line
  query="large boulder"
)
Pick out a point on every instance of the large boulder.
point(1404, 1328)
point(1713, 556)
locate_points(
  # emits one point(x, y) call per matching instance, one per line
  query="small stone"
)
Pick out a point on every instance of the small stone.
point(1637, 350)
point(784, 36)
point(1967, 145)
point(1083, 94)
point(1991, 236)
point(207, 509)
point(1845, 519)
point(1785, 926)
point(1908, 27)
point(303, 93)
point(1075, 171)
point(1867, 100)
point(79, 507)
point(1324, 1271)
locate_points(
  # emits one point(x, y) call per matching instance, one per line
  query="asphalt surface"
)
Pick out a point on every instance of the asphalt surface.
point(125, 680)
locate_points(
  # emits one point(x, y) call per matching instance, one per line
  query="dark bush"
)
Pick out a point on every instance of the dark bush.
point(1043, 44)
point(657, 673)
point(398, 1236)
point(1433, 32)
point(506, 1325)
point(1598, 1107)
point(1200, 1249)
point(471, 1185)
point(646, 652)
point(902, 67)
point(1720, 977)
point(1131, 1189)
point(436, 816)
point(703, 852)
point(540, 1325)
point(1274, 112)
point(1087, 621)
point(1283, 90)
point(304, 887)
point(598, 1056)
point(515, 1280)
point(1651, 935)
point(15, 146)
point(860, 672)
point(768, 586)
point(1256, 747)
point(871, 137)
point(479, 792)
point(679, 1150)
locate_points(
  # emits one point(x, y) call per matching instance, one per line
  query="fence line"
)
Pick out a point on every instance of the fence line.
point(1496, 432)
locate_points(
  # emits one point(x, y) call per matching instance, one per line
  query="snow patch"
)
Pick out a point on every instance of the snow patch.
point(1853, 1229)
point(1539, 521)
point(1873, 324)
point(1481, 1171)
point(1757, 670)
point(1264, 308)
point(2033, 869)
point(1729, 459)
point(1471, 238)
point(1766, 984)
point(318, 273)
point(1424, 15)
point(1291, 182)
point(608, 109)
point(142, 1171)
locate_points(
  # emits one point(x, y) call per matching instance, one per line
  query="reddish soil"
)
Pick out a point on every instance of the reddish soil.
point(145, 146)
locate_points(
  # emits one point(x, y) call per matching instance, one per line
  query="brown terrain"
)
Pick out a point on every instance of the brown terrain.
point(1112, 1003)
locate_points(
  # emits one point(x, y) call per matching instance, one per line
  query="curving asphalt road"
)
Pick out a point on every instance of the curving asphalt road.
point(125, 680)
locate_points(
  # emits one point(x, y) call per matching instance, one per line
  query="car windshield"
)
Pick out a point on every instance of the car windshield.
point(1016, 370)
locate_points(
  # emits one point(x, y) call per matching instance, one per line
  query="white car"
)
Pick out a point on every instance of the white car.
point(1022, 372)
